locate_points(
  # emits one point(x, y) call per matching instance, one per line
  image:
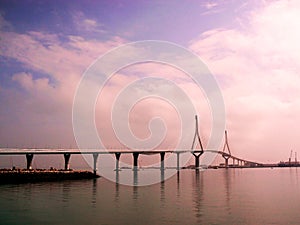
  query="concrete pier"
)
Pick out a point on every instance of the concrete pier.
point(135, 160)
point(135, 177)
point(162, 175)
point(95, 157)
point(67, 157)
point(29, 158)
point(178, 161)
point(226, 157)
point(29, 176)
point(162, 160)
point(118, 155)
point(197, 160)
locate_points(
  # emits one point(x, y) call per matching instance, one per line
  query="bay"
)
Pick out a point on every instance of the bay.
point(220, 196)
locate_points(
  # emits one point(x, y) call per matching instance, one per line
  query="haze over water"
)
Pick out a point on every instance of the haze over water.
point(233, 196)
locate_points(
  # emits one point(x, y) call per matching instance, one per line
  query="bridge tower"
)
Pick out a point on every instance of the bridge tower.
point(225, 155)
point(197, 153)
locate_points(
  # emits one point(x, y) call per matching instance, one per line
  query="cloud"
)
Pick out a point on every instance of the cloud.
point(258, 67)
point(40, 96)
point(27, 82)
point(4, 24)
point(90, 24)
point(42, 101)
point(83, 24)
point(152, 107)
point(210, 5)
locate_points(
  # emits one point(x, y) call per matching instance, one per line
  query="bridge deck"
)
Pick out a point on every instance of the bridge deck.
point(47, 151)
point(15, 151)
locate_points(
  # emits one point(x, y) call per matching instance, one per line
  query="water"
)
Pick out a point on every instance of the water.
point(233, 196)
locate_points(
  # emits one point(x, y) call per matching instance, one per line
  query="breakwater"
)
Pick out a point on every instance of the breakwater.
point(28, 176)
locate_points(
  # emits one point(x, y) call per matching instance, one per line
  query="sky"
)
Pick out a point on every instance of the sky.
point(251, 47)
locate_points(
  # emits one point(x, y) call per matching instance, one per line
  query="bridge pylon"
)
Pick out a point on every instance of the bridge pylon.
point(226, 155)
point(197, 153)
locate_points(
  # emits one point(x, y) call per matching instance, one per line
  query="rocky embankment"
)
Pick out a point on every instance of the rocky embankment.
point(29, 176)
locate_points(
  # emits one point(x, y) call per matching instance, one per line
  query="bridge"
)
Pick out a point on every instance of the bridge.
point(236, 161)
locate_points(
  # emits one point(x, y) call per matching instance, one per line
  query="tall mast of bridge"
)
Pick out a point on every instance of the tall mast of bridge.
point(197, 153)
point(197, 136)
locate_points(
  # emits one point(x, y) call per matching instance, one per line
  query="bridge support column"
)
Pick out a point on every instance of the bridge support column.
point(226, 157)
point(135, 160)
point(29, 158)
point(135, 180)
point(162, 175)
point(118, 155)
point(95, 157)
point(162, 160)
point(67, 157)
point(226, 163)
point(162, 166)
point(197, 160)
point(233, 162)
point(178, 161)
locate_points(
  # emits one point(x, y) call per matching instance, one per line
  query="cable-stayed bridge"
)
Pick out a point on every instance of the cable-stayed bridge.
point(197, 152)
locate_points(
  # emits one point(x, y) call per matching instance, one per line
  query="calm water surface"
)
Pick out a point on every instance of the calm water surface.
point(233, 196)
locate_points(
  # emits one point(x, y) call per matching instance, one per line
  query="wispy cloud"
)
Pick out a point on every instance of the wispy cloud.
point(40, 102)
point(37, 99)
point(84, 24)
point(258, 70)
point(210, 5)
point(4, 24)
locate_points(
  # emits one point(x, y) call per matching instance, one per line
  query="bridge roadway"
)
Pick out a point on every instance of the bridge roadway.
point(30, 152)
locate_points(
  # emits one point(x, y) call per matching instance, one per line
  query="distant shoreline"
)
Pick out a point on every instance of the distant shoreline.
point(9, 176)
